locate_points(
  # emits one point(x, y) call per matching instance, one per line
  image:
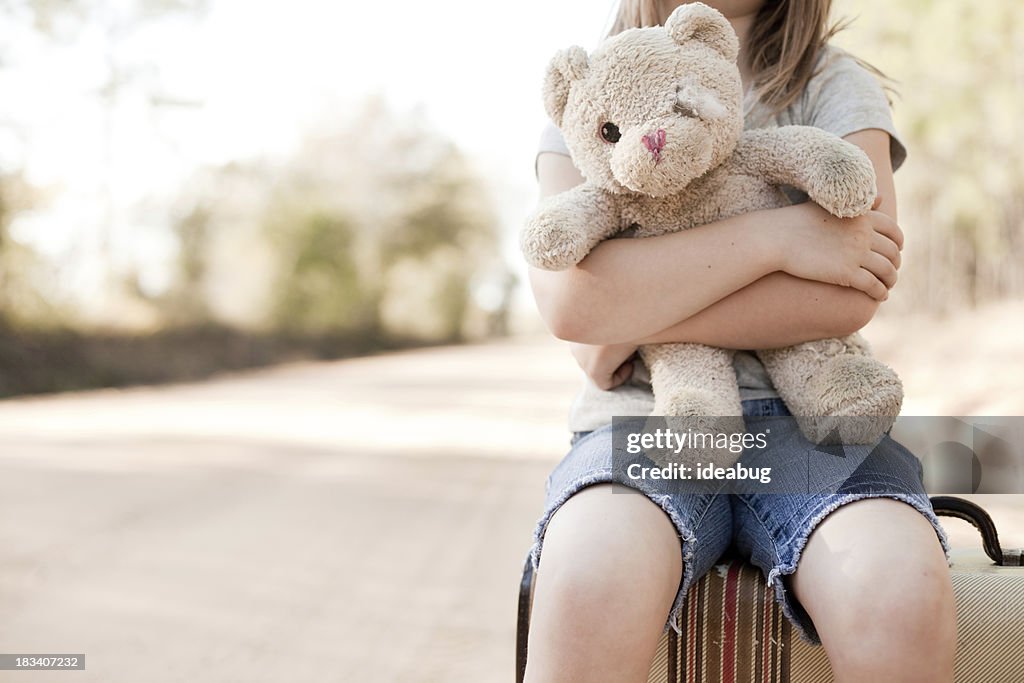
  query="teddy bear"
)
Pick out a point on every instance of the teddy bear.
point(653, 119)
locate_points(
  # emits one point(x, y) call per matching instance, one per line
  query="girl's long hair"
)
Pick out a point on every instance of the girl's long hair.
point(784, 42)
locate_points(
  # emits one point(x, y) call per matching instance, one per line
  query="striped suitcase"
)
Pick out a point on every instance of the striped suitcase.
point(733, 631)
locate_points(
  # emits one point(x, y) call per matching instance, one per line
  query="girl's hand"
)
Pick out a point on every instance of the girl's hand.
point(861, 252)
point(606, 366)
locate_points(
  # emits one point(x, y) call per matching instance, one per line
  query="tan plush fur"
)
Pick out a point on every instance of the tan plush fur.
point(681, 159)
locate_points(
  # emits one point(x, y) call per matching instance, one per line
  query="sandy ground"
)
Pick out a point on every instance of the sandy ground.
point(360, 520)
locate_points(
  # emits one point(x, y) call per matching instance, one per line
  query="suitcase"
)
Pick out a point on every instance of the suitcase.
point(733, 631)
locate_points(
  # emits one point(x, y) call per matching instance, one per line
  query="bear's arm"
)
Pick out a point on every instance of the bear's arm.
point(566, 226)
point(834, 173)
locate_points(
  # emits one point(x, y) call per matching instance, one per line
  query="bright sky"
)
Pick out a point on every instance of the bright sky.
point(248, 78)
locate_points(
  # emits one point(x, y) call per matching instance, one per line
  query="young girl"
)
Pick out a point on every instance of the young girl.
point(861, 569)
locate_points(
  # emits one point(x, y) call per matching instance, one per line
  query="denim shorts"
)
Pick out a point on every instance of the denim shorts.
point(767, 529)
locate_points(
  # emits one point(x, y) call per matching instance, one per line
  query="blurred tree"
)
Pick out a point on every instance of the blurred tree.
point(399, 215)
point(115, 23)
point(376, 226)
point(186, 301)
point(960, 73)
point(21, 300)
point(319, 288)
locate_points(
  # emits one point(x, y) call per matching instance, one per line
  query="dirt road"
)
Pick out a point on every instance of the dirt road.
point(364, 520)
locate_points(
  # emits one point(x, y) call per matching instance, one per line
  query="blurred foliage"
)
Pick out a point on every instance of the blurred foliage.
point(377, 230)
point(37, 361)
point(185, 302)
point(355, 243)
point(368, 237)
point(21, 269)
point(959, 70)
point(24, 298)
point(376, 225)
point(319, 287)
point(379, 224)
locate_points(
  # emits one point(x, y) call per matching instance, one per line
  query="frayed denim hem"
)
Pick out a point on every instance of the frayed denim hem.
point(686, 535)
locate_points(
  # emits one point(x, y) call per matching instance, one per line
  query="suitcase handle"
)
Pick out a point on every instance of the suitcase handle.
point(951, 506)
point(523, 621)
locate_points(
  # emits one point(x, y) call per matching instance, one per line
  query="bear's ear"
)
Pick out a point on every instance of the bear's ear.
point(697, 21)
point(567, 66)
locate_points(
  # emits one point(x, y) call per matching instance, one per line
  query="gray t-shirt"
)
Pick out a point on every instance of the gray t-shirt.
point(843, 97)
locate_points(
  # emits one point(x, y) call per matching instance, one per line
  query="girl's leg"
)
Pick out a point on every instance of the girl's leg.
point(874, 580)
point(854, 553)
point(613, 563)
point(610, 572)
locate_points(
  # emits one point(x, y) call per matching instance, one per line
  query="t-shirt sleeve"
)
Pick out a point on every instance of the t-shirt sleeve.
point(844, 97)
point(551, 140)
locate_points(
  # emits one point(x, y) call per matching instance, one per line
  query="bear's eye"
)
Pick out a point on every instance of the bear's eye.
point(610, 132)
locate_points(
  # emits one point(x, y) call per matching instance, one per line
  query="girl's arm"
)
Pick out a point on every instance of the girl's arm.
point(631, 290)
point(626, 289)
point(780, 310)
point(777, 310)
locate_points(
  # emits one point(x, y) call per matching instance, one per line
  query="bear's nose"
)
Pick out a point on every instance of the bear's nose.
point(654, 142)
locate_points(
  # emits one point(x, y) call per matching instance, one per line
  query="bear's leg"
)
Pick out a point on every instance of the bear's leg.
point(698, 384)
point(835, 389)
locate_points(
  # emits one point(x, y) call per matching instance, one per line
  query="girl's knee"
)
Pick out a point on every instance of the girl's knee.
point(602, 535)
point(609, 571)
point(607, 551)
point(900, 571)
point(905, 598)
point(897, 623)
point(878, 589)
point(877, 564)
